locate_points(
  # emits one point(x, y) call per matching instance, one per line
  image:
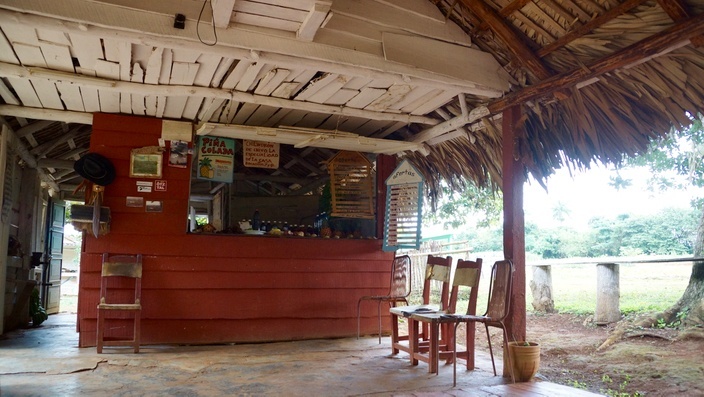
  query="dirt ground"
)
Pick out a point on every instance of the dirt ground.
point(633, 366)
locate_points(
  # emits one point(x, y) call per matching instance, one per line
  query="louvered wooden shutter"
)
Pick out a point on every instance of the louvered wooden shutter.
point(351, 186)
point(404, 200)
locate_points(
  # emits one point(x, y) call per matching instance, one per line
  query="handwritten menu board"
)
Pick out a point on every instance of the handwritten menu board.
point(261, 154)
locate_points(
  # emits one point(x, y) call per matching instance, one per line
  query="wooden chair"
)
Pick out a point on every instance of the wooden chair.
point(399, 289)
point(467, 274)
point(121, 275)
point(437, 270)
point(498, 305)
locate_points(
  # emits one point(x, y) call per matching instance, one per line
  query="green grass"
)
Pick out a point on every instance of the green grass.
point(644, 288)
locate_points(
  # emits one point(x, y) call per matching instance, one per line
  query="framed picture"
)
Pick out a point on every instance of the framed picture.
point(145, 165)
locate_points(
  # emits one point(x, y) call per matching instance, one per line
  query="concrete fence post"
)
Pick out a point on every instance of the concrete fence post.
point(607, 294)
point(541, 287)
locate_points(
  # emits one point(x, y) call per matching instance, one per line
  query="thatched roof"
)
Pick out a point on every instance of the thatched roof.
point(595, 79)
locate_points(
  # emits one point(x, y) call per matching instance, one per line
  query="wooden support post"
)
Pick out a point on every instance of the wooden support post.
point(541, 288)
point(513, 177)
point(385, 165)
point(4, 223)
point(607, 294)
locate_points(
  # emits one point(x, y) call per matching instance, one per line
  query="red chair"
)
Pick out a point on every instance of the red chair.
point(399, 289)
point(467, 274)
point(121, 277)
point(437, 272)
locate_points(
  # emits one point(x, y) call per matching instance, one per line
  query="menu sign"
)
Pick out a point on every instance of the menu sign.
point(216, 159)
point(261, 154)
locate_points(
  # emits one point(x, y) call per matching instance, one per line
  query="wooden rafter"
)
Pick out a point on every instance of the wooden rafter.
point(645, 48)
point(512, 7)
point(512, 41)
point(588, 27)
point(679, 11)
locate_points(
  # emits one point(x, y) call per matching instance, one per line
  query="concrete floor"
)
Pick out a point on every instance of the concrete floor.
point(47, 362)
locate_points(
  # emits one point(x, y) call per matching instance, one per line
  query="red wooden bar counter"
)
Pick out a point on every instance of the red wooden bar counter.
point(213, 288)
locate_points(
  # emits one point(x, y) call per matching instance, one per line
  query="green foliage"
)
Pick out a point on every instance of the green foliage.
point(455, 207)
point(36, 311)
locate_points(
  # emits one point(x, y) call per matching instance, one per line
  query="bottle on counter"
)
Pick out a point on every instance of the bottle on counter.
point(256, 220)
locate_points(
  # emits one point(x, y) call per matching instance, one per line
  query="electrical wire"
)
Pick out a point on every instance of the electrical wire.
point(200, 16)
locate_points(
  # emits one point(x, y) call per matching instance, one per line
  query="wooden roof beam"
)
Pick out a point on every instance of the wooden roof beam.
point(679, 11)
point(589, 26)
point(29, 159)
point(667, 39)
point(314, 20)
point(222, 11)
point(513, 42)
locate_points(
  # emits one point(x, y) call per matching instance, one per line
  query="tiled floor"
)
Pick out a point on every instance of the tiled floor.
point(47, 362)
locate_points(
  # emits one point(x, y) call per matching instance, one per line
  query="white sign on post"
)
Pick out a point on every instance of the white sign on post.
point(261, 154)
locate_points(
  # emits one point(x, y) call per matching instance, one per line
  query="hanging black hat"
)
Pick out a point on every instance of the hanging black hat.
point(95, 168)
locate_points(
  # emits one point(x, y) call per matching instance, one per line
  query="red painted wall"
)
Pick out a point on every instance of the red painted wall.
point(220, 288)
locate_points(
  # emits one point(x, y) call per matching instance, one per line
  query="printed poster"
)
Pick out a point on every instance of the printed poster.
point(261, 154)
point(216, 159)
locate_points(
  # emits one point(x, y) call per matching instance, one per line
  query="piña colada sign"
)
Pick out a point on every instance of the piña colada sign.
point(216, 159)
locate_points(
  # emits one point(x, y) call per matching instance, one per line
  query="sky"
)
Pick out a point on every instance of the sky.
point(588, 194)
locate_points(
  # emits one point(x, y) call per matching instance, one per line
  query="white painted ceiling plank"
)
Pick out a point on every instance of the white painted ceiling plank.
point(390, 130)
point(303, 5)
point(125, 60)
point(380, 83)
point(210, 106)
point(30, 55)
point(249, 76)
point(422, 8)
point(435, 103)
point(236, 74)
point(193, 104)
point(91, 101)
point(356, 83)
point(349, 42)
point(316, 85)
point(222, 12)
point(150, 105)
point(341, 97)
point(262, 72)
point(208, 65)
point(271, 81)
point(313, 21)
point(154, 66)
point(229, 111)
point(85, 72)
point(71, 97)
point(276, 117)
point(292, 117)
point(394, 94)
point(167, 58)
point(7, 53)
point(174, 106)
point(351, 124)
point(47, 93)
point(217, 114)
point(329, 90)
point(155, 30)
point(395, 18)
point(109, 101)
point(372, 127)
point(112, 49)
point(261, 115)
point(183, 73)
point(421, 100)
point(18, 32)
point(333, 122)
point(160, 106)
point(457, 61)
point(87, 49)
point(138, 103)
point(53, 36)
point(185, 55)
point(286, 90)
point(141, 54)
point(305, 76)
point(365, 97)
point(416, 93)
point(57, 56)
point(273, 11)
point(312, 120)
point(244, 112)
point(7, 95)
point(220, 71)
point(260, 20)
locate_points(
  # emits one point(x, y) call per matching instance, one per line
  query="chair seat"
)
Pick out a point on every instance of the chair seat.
point(407, 311)
point(120, 306)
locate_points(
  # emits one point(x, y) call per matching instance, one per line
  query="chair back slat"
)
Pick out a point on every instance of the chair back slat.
point(125, 266)
point(401, 277)
point(467, 274)
point(438, 269)
point(500, 290)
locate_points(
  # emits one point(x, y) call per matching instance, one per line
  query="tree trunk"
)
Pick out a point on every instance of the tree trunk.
point(691, 303)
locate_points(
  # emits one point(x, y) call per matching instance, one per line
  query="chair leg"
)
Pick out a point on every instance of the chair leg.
point(394, 334)
point(359, 303)
point(137, 330)
point(454, 359)
point(491, 352)
point(99, 334)
point(378, 314)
